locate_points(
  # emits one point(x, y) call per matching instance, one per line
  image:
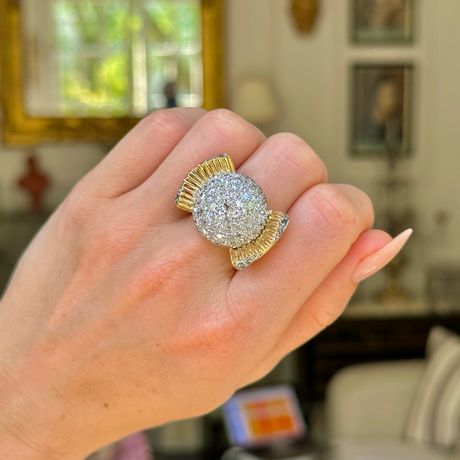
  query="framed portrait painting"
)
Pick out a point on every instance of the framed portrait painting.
point(382, 22)
point(381, 109)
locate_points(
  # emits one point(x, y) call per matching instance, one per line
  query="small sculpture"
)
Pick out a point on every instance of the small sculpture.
point(35, 183)
point(305, 13)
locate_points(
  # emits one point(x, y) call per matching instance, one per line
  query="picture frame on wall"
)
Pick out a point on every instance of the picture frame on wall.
point(381, 109)
point(382, 22)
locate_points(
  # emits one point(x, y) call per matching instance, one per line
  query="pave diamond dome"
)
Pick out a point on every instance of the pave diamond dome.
point(230, 210)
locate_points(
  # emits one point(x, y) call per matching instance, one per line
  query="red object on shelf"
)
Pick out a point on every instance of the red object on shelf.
point(35, 183)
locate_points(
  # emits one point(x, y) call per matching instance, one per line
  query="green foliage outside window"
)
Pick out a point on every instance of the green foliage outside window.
point(100, 42)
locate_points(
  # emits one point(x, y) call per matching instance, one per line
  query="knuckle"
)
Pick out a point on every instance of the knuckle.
point(321, 319)
point(228, 124)
point(296, 151)
point(167, 122)
point(333, 211)
point(288, 143)
point(368, 209)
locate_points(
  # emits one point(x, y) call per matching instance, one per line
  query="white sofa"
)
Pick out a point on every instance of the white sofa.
point(366, 408)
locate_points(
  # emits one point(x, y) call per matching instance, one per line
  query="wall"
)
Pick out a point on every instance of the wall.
point(64, 164)
point(311, 75)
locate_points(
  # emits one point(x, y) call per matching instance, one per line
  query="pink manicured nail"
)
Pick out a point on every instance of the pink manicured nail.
point(378, 260)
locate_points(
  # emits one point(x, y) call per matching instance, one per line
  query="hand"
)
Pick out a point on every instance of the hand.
point(121, 316)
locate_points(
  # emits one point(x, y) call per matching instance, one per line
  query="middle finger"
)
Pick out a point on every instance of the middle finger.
point(284, 166)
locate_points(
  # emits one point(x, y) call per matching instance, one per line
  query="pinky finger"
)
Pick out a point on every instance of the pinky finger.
point(325, 304)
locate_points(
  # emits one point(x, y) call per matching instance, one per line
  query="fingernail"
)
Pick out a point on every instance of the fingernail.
point(379, 259)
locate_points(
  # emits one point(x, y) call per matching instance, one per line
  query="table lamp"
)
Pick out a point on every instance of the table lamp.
point(255, 101)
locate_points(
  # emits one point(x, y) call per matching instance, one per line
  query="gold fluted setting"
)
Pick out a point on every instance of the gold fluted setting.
point(276, 224)
point(198, 176)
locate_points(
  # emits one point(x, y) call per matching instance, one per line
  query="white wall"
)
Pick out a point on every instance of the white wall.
point(64, 164)
point(311, 75)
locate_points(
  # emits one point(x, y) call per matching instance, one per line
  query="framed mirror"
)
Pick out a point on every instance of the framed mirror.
point(90, 69)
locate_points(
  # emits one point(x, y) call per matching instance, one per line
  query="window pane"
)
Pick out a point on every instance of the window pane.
point(175, 20)
point(93, 40)
point(104, 58)
point(174, 53)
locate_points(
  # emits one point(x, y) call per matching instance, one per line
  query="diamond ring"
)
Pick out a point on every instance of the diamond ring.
point(230, 209)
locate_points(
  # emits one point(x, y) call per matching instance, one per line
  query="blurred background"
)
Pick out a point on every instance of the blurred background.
point(371, 85)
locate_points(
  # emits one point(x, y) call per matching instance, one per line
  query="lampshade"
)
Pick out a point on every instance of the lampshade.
point(255, 101)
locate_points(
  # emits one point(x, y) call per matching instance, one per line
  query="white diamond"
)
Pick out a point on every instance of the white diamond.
point(282, 226)
point(230, 210)
point(245, 262)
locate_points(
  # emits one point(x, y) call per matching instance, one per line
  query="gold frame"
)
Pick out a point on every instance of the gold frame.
point(20, 129)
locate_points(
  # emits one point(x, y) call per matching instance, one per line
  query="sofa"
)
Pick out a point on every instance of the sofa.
point(366, 410)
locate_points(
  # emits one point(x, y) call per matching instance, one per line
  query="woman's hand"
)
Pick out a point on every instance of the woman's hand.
point(121, 316)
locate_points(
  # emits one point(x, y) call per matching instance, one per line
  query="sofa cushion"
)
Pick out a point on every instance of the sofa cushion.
point(434, 417)
point(372, 399)
point(381, 448)
point(437, 336)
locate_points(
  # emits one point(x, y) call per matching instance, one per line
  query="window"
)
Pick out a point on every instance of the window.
point(115, 58)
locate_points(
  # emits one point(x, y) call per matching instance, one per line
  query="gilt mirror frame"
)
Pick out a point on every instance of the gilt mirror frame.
point(18, 128)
